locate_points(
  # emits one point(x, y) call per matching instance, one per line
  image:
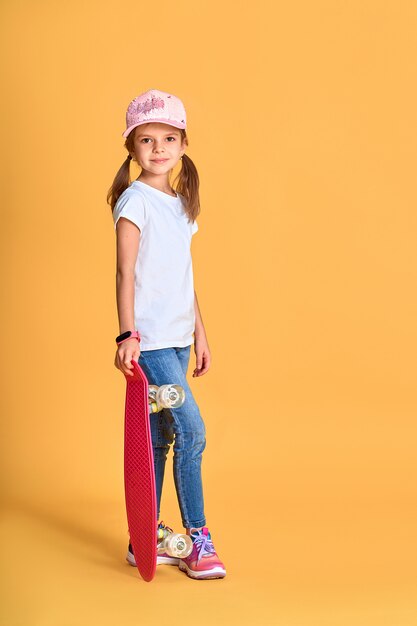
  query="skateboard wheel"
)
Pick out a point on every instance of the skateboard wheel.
point(170, 396)
point(176, 545)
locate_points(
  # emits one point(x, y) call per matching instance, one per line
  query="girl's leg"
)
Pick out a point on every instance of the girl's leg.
point(169, 365)
point(184, 357)
point(162, 436)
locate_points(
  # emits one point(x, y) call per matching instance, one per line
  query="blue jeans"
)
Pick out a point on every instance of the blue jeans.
point(169, 365)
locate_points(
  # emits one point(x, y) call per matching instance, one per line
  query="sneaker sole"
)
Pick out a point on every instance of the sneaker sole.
point(160, 560)
point(215, 572)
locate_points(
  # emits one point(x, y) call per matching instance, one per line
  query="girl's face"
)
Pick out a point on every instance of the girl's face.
point(157, 147)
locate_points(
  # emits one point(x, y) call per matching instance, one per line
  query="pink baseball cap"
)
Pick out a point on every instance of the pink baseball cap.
point(155, 106)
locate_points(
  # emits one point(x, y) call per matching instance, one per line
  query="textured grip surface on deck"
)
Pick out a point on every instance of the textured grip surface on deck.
point(140, 492)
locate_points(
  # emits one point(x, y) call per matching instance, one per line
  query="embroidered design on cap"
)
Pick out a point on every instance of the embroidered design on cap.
point(149, 105)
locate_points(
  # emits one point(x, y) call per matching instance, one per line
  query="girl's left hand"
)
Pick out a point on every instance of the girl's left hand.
point(203, 355)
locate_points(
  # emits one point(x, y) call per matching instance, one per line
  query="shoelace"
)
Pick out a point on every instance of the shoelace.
point(204, 545)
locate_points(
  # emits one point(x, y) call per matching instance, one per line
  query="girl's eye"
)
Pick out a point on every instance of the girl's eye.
point(146, 138)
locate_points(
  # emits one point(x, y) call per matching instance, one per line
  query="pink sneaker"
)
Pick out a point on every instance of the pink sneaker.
point(203, 561)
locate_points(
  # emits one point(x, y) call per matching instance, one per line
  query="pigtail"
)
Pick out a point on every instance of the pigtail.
point(120, 183)
point(188, 185)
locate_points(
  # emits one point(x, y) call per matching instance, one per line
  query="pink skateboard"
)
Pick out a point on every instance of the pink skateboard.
point(140, 491)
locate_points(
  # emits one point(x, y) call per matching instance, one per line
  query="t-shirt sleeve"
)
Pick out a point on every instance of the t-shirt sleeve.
point(194, 228)
point(132, 207)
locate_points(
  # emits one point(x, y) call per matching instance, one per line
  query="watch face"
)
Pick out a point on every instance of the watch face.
point(125, 335)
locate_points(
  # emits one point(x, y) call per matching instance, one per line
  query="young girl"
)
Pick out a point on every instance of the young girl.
point(157, 303)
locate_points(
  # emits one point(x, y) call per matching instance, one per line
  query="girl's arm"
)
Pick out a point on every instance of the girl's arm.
point(128, 235)
point(201, 347)
point(199, 330)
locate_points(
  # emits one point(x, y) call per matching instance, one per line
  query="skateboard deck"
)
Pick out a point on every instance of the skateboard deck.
point(139, 474)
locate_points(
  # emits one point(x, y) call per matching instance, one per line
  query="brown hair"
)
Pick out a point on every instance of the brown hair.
point(188, 180)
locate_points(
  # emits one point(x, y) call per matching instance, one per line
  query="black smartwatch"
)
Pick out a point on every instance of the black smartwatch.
point(129, 334)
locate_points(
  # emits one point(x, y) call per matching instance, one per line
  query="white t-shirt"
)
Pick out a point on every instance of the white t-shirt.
point(164, 286)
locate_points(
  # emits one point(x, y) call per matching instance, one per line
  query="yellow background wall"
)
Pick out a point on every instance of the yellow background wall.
point(301, 122)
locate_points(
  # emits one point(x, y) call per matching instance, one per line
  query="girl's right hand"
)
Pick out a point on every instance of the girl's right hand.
point(127, 351)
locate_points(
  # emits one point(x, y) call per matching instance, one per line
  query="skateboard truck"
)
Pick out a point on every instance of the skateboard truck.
point(169, 397)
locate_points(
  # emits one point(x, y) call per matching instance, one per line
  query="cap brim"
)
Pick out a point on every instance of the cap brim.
point(162, 121)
